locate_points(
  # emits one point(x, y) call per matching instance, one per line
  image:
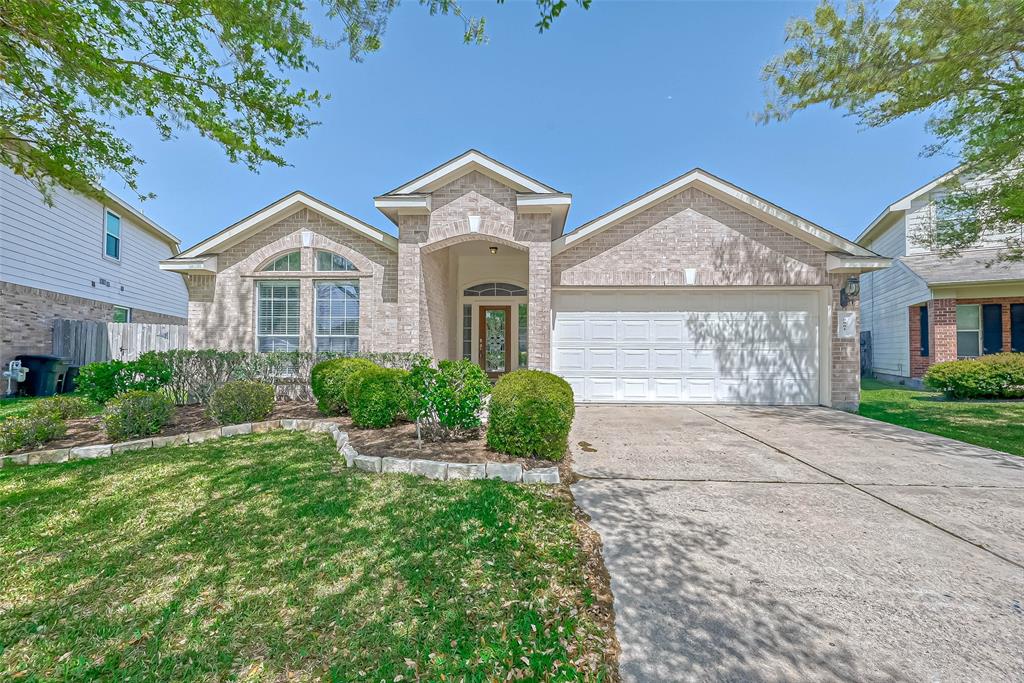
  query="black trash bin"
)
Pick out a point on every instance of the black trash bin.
point(68, 385)
point(45, 373)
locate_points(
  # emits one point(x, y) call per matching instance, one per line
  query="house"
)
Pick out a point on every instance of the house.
point(928, 308)
point(79, 259)
point(697, 291)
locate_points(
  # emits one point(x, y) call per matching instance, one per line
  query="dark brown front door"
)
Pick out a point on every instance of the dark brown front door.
point(495, 332)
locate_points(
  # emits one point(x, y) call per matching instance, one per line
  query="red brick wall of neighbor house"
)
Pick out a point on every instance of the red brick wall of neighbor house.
point(27, 315)
point(942, 326)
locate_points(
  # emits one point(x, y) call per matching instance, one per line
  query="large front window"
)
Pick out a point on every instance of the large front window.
point(337, 316)
point(968, 330)
point(277, 316)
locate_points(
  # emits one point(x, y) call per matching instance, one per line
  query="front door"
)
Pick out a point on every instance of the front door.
point(494, 353)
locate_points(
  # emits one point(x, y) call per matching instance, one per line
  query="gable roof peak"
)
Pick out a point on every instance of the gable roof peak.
point(467, 162)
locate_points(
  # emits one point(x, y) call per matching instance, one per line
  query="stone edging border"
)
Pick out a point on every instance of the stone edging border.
point(431, 469)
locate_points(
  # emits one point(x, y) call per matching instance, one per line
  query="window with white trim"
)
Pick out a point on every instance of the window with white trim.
point(277, 316)
point(112, 235)
point(122, 314)
point(968, 330)
point(337, 316)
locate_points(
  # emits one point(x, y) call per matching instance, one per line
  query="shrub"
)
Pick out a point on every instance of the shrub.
point(62, 406)
point(328, 380)
point(530, 415)
point(377, 396)
point(136, 413)
point(242, 401)
point(999, 375)
point(447, 399)
point(29, 432)
point(100, 382)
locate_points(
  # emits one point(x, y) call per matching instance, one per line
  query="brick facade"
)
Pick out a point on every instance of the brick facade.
point(942, 330)
point(27, 315)
point(408, 298)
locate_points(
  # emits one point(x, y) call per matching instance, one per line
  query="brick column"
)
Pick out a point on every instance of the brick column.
point(918, 363)
point(845, 366)
point(410, 282)
point(539, 308)
point(942, 325)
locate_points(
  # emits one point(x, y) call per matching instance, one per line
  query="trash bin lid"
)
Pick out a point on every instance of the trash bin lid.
point(37, 356)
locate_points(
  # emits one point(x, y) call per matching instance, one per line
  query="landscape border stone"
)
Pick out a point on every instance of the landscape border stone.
point(431, 469)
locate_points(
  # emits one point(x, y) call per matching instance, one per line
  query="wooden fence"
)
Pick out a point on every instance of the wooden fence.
point(90, 341)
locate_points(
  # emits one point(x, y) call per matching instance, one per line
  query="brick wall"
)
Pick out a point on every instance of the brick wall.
point(942, 323)
point(918, 363)
point(222, 307)
point(27, 315)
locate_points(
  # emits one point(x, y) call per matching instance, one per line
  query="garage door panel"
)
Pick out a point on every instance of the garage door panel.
point(673, 346)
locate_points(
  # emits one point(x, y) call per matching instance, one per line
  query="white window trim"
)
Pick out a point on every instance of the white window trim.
point(128, 310)
point(103, 236)
point(981, 325)
point(316, 312)
point(256, 301)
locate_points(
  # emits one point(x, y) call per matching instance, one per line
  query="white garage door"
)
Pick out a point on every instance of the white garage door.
point(733, 346)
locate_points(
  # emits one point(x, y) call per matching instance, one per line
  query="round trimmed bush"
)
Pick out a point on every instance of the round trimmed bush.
point(999, 375)
point(377, 396)
point(136, 413)
point(63, 407)
point(29, 432)
point(328, 381)
point(530, 415)
point(241, 401)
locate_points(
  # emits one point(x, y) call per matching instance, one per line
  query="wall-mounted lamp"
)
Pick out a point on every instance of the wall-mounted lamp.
point(849, 291)
point(493, 250)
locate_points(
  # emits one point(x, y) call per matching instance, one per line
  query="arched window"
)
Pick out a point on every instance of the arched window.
point(291, 262)
point(327, 261)
point(495, 289)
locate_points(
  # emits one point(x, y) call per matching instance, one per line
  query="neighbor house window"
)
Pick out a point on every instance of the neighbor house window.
point(112, 235)
point(523, 335)
point(122, 314)
point(291, 263)
point(277, 316)
point(329, 262)
point(968, 330)
point(337, 316)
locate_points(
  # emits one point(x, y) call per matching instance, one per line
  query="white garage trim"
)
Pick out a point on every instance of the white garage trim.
point(758, 345)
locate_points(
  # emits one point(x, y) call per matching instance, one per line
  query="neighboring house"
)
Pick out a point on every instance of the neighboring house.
point(928, 308)
point(697, 291)
point(78, 259)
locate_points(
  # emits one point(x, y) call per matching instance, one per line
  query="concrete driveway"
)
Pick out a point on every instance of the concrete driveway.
point(779, 544)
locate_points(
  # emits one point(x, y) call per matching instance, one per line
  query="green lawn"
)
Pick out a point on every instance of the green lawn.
point(253, 558)
point(15, 407)
point(993, 424)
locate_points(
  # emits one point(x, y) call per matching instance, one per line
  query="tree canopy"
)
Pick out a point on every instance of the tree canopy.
point(70, 70)
point(959, 61)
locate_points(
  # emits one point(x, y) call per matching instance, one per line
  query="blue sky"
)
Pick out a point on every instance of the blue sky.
point(607, 105)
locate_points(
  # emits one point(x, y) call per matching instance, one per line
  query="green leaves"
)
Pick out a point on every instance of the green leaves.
point(70, 70)
point(960, 62)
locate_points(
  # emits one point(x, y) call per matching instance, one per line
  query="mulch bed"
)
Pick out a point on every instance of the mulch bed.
point(88, 431)
point(400, 441)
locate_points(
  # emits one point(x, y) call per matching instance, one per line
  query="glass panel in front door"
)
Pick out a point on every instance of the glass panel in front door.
point(494, 350)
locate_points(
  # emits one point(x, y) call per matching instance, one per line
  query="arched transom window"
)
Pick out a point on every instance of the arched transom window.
point(495, 289)
point(327, 261)
point(292, 262)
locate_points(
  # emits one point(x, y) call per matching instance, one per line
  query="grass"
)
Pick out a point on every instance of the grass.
point(253, 558)
point(20, 406)
point(993, 424)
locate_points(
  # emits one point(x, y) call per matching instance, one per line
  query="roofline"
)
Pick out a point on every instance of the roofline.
point(283, 204)
point(903, 203)
point(698, 175)
point(532, 184)
point(141, 218)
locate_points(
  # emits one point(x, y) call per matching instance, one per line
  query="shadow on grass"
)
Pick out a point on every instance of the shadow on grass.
point(248, 558)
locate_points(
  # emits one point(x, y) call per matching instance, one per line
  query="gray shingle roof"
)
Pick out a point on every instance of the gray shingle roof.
point(972, 266)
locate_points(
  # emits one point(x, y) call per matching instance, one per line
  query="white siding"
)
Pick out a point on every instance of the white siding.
point(921, 219)
point(885, 298)
point(60, 248)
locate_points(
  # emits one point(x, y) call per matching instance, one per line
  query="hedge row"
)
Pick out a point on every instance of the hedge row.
point(999, 375)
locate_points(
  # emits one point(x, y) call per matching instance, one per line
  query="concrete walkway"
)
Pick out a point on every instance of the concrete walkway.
point(776, 544)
